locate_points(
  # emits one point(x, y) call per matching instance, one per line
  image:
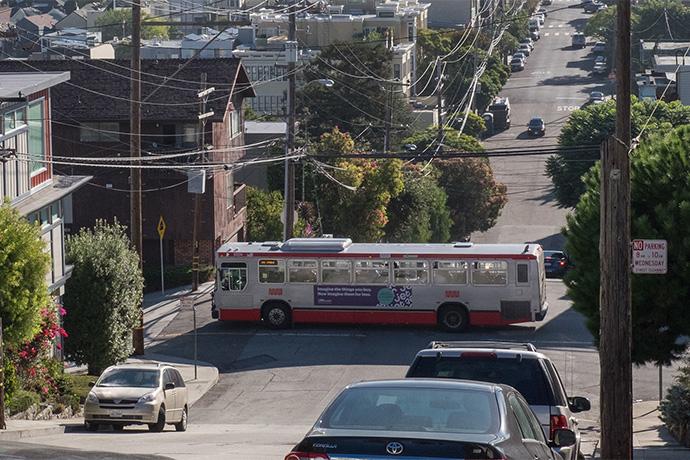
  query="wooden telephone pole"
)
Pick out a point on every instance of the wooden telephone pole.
point(615, 344)
point(439, 102)
point(135, 152)
point(292, 120)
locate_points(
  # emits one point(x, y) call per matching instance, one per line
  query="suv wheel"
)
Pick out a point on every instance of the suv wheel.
point(160, 423)
point(182, 424)
point(277, 315)
point(453, 318)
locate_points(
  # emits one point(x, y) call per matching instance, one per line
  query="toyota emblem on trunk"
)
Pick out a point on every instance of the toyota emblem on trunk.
point(394, 448)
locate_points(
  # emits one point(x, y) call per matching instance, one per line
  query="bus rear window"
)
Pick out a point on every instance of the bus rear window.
point(271, 271)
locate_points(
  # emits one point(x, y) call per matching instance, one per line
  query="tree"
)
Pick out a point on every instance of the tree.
point(118, 23)
point(591, 126)
point(264, 210)
point(358, 100)
point(420, 213)
point(23, 269)
point(353, 197)
point(102, 296)
point(475, 198)
point(660, 209)
point(426, 141)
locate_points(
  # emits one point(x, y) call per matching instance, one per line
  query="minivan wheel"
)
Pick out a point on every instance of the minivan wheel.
point(453, 318)
point(160, 424)
point(277, 315)
point(182, 424)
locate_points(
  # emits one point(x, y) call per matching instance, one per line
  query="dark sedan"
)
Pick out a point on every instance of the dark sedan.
point(536, 127)
point(429, 419)
point(556, 263)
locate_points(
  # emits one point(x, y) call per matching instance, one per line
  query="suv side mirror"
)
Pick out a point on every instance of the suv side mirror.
point(169, 386)
point(579, 404)
point(564, 437)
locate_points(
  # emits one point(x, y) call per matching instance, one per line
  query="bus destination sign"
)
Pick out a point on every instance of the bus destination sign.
point(649, 257)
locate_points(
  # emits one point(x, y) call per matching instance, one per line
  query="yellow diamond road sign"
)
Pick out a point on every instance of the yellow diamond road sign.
point(161, 227)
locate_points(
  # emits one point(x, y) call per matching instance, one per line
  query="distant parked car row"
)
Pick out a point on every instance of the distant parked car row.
point(459, 400)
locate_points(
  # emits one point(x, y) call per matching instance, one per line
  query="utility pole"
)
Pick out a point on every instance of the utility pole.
point(289, 191)
point(389, 115)
point(196, 226)
point(135, 152)
point(439, 102)
point(615, 306)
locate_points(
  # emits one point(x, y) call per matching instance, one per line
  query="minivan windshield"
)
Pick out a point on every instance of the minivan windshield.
point(139, 378)
point(525, 375)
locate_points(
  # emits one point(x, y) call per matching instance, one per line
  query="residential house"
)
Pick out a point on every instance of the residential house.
point(209, 44)
point(452, 13)
point(83, 18)
point(27, 176)
point(258, 136)
point(91, 118)
point(30, 29)
point(78, 43)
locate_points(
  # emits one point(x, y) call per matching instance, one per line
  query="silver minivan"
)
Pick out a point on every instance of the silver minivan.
point(136, 394)
point(519, 365)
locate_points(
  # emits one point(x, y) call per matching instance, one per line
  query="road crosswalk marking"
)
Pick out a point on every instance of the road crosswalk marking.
point(547, 34)
point(557, 33)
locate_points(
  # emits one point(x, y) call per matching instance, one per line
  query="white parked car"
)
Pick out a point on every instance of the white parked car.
point(525, 49)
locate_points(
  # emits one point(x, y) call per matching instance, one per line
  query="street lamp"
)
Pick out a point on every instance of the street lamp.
point(289, 192)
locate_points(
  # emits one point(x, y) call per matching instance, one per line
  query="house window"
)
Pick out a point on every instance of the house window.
point(99, 132)
point(396, 71)
point(230, 189)
point(37, 148)
point(14, 120)
point(234, 123)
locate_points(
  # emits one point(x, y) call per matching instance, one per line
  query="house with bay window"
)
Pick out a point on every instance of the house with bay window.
point(27, 178)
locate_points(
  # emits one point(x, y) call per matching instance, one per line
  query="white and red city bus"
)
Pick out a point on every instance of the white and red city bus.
point(333, 280)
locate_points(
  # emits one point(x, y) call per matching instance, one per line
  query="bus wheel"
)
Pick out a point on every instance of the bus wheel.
point(277, 315)
point(453, 318)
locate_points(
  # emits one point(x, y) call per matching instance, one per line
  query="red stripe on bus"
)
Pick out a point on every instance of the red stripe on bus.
point(492, 318)
point(364, 316)
point(251, 314)
point(310, 255)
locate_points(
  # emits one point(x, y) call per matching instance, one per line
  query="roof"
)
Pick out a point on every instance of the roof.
point(11, 84)
point(99, 89)
point(345, 247)
point(265, 127)
point(42, 20)
point(664, 45)
point(60, 187)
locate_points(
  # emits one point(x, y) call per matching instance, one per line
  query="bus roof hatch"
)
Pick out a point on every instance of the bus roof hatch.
point(316, 244)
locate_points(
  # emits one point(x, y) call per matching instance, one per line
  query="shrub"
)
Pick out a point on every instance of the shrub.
point(22, 400)
point(675, 408)
point(11, 380)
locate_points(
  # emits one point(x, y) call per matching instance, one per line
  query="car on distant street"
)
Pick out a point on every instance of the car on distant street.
point(527, 41)
point(534, 34)
point(525, 49)
point(557, 263)
point(429, 418)
point(596, 97)
point(536, 127)
point(578, 40)
point(546, 2)
point(540, 17)
point(520, 55)
point(517, 64)
point(601, 8)
point(519, 365)
point(600, 59)
point(592, 7)
point(599, 47)
point(600, 69)
point(136, 394)
point(543, 11)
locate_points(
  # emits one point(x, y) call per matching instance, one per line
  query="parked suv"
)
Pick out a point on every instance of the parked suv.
point(579, 40)
point(136, 394)
point(518, 365)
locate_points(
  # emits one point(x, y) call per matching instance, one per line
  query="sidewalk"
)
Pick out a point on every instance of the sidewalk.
point(651, 439)
point(158, 312)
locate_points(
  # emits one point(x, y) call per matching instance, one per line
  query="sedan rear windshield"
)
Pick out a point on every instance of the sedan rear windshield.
point(526, 375)
point(414, 409)
point(130, 378)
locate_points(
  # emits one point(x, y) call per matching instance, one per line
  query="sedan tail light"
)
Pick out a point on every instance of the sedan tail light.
point(557, 422)
point(306, 456)
point(562, 263)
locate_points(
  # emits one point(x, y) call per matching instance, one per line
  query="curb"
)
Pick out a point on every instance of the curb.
point(24, 433)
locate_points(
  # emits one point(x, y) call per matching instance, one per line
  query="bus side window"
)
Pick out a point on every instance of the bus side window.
point(410, 271)
point(450, 272)
point(271, 271)
point(371, 272)
point(490, 272)
point(522, 273)
point(233, 276)
point(302, 271)
point(336, 271)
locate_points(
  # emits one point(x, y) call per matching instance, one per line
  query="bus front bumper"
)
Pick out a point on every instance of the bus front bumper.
point(540, 315)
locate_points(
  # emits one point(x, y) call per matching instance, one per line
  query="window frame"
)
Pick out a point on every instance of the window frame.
point(289, 267)
point(397, 268)
point(474, 270)
point(436, 270)
point(517, 273)
point(336, 261)
point(229, 267)
point(37, 167)
point(371, 269)
point(518, 410)
point(279, 263)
